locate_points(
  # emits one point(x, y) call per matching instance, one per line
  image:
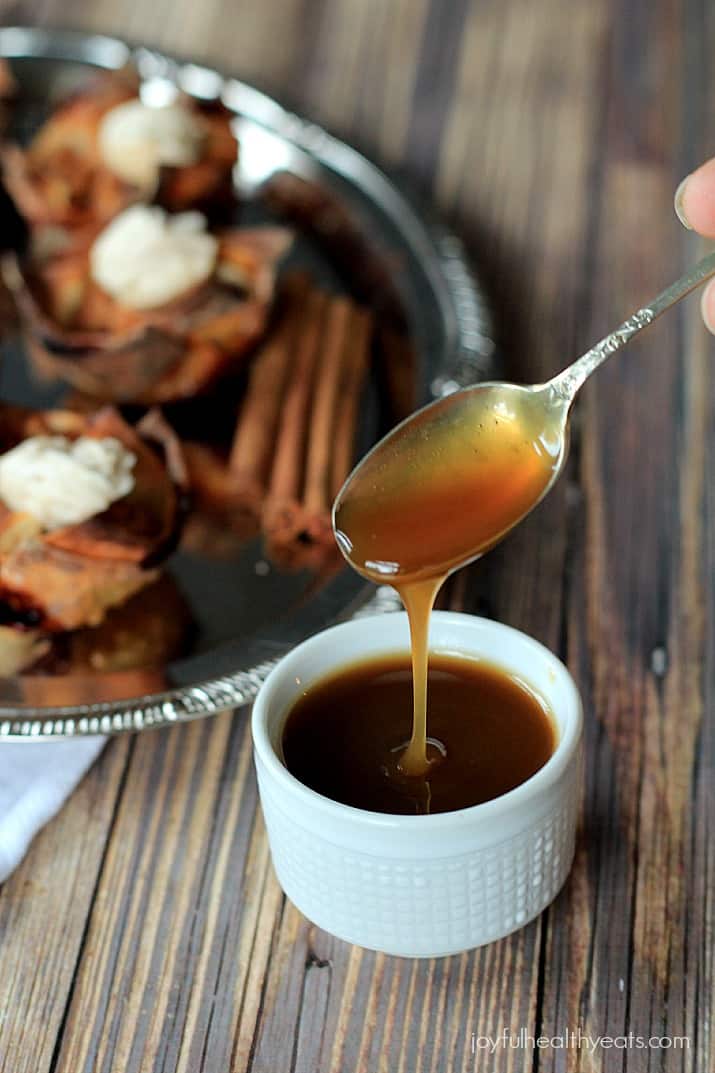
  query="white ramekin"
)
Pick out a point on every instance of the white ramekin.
point(421, 886)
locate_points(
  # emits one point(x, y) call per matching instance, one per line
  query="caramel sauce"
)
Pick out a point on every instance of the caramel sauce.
point(345, 735)
point(446, 485)
point(438, 492)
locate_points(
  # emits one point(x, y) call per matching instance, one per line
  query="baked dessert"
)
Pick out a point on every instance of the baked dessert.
point(89, 508)
point(149, 630)
point(107, 146)
point(156, 309)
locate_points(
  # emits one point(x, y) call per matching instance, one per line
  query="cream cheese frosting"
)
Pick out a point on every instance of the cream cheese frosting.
point(145, 257)
point(135, 140)
point(64, 482)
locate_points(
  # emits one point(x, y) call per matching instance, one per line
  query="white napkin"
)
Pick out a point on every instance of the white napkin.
point(35, 780)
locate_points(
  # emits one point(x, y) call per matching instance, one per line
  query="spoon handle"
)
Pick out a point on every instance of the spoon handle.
point(568, 382)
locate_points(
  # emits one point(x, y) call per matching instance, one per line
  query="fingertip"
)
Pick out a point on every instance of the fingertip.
point(707, 306)
point(695, 200)
point(679, 205)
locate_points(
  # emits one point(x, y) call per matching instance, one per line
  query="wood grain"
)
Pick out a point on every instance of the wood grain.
point(145, 931)
point(43, 916)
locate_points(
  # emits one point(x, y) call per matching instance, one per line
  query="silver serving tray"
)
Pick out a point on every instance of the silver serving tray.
point(247, 614)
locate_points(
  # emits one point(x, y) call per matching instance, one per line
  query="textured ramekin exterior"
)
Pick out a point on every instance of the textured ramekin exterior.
point(424, 886)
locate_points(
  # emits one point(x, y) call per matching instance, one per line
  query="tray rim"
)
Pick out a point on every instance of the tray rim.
point(467, 353)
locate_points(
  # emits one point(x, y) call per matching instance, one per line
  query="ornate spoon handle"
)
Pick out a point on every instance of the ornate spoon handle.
point(567, 383)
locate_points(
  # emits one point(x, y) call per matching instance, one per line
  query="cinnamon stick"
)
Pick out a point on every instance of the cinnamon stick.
point(298, 555)
point(255, 435)
point(317, 498)
point(216, 504)
point(340, 376)
point(282, 515)
point(354, 374)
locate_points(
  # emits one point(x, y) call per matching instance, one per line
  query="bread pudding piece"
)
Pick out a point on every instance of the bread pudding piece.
point(21, 648)
point(126, 655)
point(105, 148)
point(157, 309)
point(88, 510)
point(149, 630)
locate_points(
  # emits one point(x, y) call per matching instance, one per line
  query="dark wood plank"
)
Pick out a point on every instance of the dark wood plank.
point(629, 940)
point(174, 934)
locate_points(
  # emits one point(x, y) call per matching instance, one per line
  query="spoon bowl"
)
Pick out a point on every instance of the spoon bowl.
point(451, 480)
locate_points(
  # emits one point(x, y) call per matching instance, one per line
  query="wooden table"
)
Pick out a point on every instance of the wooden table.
point(145, 930)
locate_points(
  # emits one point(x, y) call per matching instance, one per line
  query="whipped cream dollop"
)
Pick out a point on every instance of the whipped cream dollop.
point(64, 482)
point(145, 257)
point(136, 139)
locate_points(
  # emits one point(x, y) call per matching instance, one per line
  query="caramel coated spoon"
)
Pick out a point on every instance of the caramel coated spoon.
point(452, 479)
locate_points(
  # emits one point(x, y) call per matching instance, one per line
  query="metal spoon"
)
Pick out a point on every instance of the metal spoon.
point(389, 519)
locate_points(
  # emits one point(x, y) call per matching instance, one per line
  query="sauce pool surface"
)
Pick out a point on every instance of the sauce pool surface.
point(488, 732)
